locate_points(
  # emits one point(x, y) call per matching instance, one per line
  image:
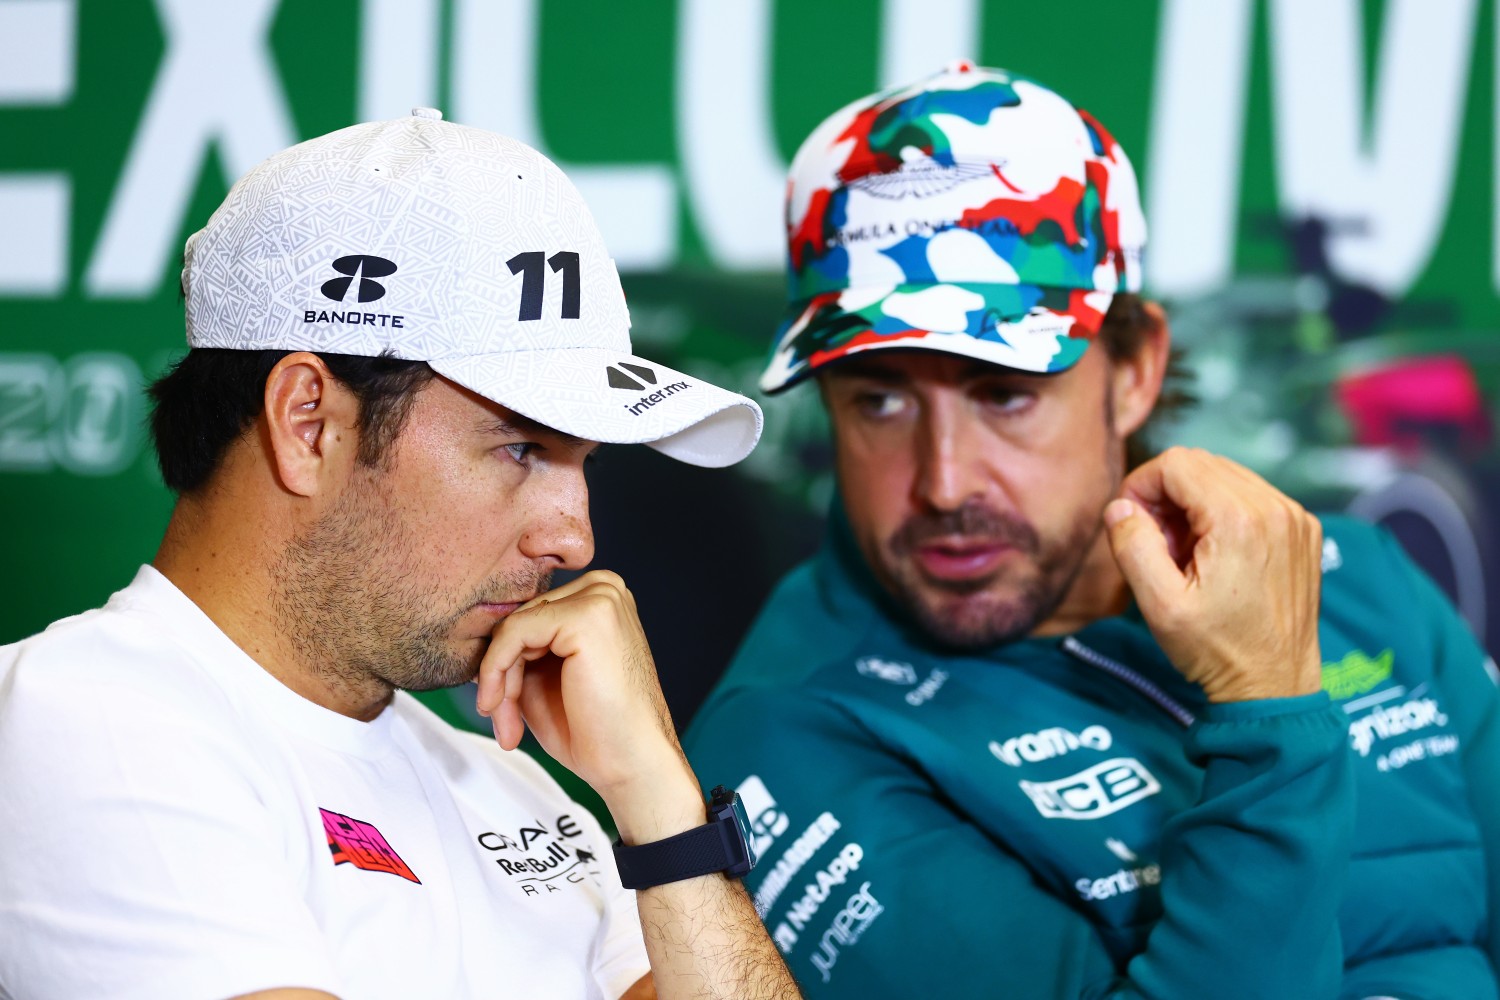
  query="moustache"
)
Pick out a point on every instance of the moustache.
point(971, 520)
point(514, 588)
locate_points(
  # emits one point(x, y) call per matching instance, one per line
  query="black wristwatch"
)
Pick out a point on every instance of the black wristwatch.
point(720, 845)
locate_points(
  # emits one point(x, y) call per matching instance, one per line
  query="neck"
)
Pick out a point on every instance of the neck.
point(222, 557)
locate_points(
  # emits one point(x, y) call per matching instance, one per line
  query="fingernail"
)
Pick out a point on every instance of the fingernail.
point(1118, 510)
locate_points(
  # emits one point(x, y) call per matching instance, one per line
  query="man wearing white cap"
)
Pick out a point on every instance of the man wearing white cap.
point(1048, 717)
point(406, 339)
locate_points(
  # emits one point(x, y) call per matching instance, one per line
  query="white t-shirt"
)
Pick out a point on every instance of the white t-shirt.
point(175, 822)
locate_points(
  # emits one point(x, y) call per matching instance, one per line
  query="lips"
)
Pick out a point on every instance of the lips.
point(959, 559)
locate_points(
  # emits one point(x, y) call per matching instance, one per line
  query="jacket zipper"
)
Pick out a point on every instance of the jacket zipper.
point(1121, 672)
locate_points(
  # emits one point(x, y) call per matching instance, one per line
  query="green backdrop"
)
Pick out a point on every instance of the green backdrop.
point(124, 121)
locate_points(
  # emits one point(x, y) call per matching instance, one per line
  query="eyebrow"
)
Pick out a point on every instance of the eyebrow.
point(516, 425)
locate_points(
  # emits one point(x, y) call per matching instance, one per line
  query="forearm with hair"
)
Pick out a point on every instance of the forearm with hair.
point(705, 941)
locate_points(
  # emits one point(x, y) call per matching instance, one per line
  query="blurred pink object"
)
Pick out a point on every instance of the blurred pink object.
point(1404, 401)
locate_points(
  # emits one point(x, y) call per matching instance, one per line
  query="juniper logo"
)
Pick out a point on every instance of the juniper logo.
point(619, 380)
point(361, 267)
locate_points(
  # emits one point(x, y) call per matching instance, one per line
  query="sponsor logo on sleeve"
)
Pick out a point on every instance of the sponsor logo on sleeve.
point(767, 821)
point(846, 925)
point(803, 909)
point(798, 854)
point(1332, 557)
point(1048, 743)
point(1395, 713)
point(1099, 791)
point(1357, 673)
point(1385, 720)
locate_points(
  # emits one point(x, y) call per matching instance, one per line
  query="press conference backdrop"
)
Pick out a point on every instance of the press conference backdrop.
point(1320, 179)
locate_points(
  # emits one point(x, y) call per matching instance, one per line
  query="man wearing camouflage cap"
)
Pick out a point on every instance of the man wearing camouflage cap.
point(1047, 716)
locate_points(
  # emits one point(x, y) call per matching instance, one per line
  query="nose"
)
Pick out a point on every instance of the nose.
point(950, 466)
point(559, 531)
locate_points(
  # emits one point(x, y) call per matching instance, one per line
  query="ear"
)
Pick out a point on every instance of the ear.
point(1137, 378)
point(311, 423)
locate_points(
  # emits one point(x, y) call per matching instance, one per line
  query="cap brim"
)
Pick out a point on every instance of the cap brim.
point(1032, 328)
point(603, 395)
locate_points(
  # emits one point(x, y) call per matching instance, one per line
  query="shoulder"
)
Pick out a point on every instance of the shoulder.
point(846, 704)
point(104, 662)
point(130, 695)
point(1363, 564)
point(1346, 538)
point(807, 622)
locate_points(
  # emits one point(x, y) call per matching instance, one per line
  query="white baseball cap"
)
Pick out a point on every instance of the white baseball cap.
point(436, 242)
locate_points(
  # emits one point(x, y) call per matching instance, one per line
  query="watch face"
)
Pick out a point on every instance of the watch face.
point(742, 822)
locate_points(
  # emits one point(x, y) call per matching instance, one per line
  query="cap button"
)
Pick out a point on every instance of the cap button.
point(961, 66)
point(432, 113)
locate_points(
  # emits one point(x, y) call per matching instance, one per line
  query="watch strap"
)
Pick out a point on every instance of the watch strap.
point(715, 846)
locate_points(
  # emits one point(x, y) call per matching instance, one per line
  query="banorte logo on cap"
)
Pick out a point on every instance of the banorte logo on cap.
point(359, 273)
point(364, 268)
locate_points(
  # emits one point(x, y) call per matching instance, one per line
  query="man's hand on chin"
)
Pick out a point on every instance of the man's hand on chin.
point(1226, 571)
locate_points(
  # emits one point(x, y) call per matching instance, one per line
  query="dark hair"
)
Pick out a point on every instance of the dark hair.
point(213, 394)
point(1125, 326)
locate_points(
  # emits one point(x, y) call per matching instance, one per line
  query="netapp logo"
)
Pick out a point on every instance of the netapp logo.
point(360, 270)
point(619, 380)
point(364, 268)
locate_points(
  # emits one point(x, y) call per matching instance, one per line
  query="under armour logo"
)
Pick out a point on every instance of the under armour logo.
point(619, 380)
point(364, 268)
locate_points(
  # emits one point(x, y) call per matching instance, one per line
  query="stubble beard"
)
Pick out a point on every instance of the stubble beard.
point(1001, 607)
point(1008, 604)
point(349, 595)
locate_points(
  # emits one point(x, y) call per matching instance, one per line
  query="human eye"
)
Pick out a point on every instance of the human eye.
point(879, 404)
point(1007, 399)
point(521, 452)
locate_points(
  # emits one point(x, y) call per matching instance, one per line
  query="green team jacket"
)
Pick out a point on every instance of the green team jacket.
point(1067, 817)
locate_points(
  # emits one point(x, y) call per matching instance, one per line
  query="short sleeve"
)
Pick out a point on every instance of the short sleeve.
point(138, 857)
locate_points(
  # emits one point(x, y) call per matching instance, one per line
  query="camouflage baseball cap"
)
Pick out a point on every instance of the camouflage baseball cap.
point(974, 212)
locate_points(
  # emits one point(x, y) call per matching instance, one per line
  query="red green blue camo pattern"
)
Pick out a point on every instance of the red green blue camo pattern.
point(974, 212)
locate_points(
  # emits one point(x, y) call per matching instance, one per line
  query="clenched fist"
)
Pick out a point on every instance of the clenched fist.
point(1226, 571)
point(575, 666)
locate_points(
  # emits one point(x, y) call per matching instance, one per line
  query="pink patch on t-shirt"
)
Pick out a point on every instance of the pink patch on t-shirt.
point(361, 845)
